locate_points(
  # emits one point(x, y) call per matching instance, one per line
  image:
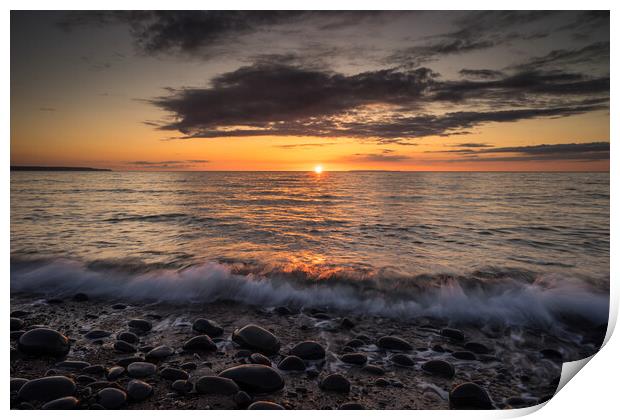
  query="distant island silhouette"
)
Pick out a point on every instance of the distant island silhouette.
point(57, 168)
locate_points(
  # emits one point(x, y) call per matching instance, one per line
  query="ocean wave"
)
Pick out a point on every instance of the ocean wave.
point(493, 296)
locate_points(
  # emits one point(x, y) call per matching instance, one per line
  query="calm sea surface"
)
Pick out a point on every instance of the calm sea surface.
point(360, 226)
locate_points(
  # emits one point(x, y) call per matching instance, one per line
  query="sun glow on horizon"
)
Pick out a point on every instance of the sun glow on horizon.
point(318, 169)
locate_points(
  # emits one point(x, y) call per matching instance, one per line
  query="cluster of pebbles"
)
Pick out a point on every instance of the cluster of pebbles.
point(85, 354)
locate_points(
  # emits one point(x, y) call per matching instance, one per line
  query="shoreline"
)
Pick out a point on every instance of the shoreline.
point(515, 367)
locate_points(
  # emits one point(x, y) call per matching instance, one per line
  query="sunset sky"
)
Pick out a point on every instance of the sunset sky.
point(290, 90)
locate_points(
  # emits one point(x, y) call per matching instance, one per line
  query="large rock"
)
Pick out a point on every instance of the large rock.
point(308, 350)
point(43, 342)
point(469, 396)
point(390, 342)
point(16, 324)
point(159, 353)
point(354, 358)
point(124, 347)
point(128, 337)
point(47, 389)
point(64, 403)
point(72, 365)
point(173, 374)
point(438, 368)
point(141, 369)
point(402, 360)
point(335, 383)
point(255, 378)
point(111, 398)
point(200, 343)
point(138, 390)
point(292, 363)
point(216, 385)
point(256, 338)
point(206, 326)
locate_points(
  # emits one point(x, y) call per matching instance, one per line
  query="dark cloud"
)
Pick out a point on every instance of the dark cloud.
point(384, 105)
point(472, 145)
point(418, 55)
point(596, 53)
point(303, 145)
point(167, 163)
point(386, 156)
point(568, 151)
point(481, 73)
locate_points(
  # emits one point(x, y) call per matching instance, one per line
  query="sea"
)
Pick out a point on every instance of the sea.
point(516, 248)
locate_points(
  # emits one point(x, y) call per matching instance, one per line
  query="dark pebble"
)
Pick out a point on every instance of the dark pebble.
point(438, 368)
point(260, 359)
point(182, 386)
point(452, 333)
point(308, 350)
point(19, 314)
point(355, 343)
point(200, 343)
point(389, 342)
point(354, 358)
point(173, 374)
point(43, 342)
point(85, 379)
point(17, 383)
point(347, 324)
point(47, 389)
point(124, 347)
point(111, 398)
point(242, 399)
point(94, 334)
point(477, 348)
point(206, 326)
point(140, 324)
point(138, 390)
point(126, 361)
point(402, 360)
point(335, 383)
point(65, 403)
point(216, 385)
point(256, 338)
point(243, 353)
point(119, 306)
point(551, 354)
point(72, 364)
point(292, 363)
point(265, 405)
point(94, 370)
point(374, 369)
point(159, 353)
point(141, 369)
point(255, 378)
point(189, 366)
point(128, 337)
point(16, 324)
point(469, 396)
point(382, 382)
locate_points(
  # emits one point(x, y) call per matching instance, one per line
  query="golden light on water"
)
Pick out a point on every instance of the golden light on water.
point(318, 169)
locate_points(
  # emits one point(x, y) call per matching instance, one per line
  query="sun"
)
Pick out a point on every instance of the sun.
point(318, 169)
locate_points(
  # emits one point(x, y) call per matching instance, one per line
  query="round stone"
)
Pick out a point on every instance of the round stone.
point(47, 389)
point(354, 358)
point(126, 361)
point(173, 374)
point(141, 369)
point(64, 403)
point(17, 383)
point(256, 338)
point(140, 324)
point(453, 334)
point(115, 372)
point(438, 368)
point(95, 334)
point(72, 365)
point(308, 350)
point(355, 343)
point(469, 396)
point(477, 348)
point(260, 359)
point(216, 385)
point(335, 383)
point(16, 324)
point(124, 347)
point(43, 342)
point(182, 386)
point(94, 370)
point(128, 337)
point(265, 405)
point(242, 399)
point(111, 398)
point(374, 369)
point(159, 353)
point(402, 360)
point(200, 343)
point(255, 378)
point(206, 326)
point(390, 342)
point(138, 390)
point(292, 363)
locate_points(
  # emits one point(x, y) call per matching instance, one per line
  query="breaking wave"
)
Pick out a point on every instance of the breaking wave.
point(504, 296)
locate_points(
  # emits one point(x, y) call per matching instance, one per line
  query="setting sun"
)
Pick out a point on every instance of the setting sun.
point(318, 169)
